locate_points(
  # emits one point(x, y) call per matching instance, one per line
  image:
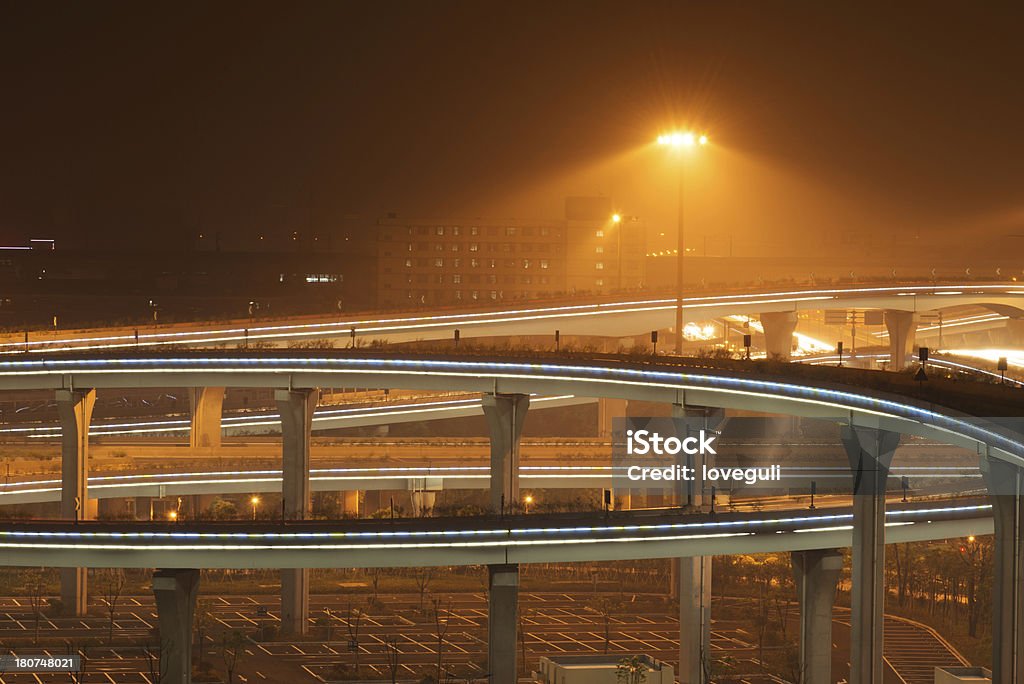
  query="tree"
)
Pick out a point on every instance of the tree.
point(440, 628)
point(606, 606)
point(231, 646)
point(203, 622)
point(523, 616)
point(36, 590)
point(391, 652)
point(157, 660)
point(632, 670)
point(353, 623)
point(423, 578)
point(113, 584)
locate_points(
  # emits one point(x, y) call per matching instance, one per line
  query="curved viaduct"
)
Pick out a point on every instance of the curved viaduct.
point(872, 424)
point(619, 318)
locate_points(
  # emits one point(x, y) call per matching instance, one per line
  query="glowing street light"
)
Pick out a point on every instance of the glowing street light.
point(172, 515)
point(679, 140)
point(527, 500)
point(617, 222)
point(254, 500)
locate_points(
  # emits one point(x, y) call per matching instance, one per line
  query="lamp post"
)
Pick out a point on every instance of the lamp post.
point(681, 141)
point(255, 500)
point(617, 220)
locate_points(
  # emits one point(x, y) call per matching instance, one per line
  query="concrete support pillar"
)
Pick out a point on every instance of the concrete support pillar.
point(1015, 331)
point(607, 411)
point(1006, 486)
point(505, 414)
point(296, 410)
point(779, 327)
point(422, 502)
point(870, 451)
point(816, 574)
point(692, 575)
point(74, 410)
point(694, 619)
point(901, 326)
point(350, 503)
point(205, 405)
point(502, 621)
point(175, 592)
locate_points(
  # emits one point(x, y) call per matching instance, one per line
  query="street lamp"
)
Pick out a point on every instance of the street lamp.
point(255, 500)
point(681, 140)
point(617, 220)
point(527, 500)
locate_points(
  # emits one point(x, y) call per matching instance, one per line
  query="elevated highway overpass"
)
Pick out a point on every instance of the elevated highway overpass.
point(873, 408)
point(615, 318)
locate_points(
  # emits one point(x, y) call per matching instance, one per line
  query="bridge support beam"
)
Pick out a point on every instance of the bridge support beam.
point(607, 411)
point(205, 405)
point(505, 415)
point(693, 574)
point(1015, 331)
point(779, 327)
point(175, 592)
point(816, 574)
point(901, 326)
point(1006, 490)
point(870, 451)
point(296, 409)
point(502, 607)
point(694, 618)
point(74, 410)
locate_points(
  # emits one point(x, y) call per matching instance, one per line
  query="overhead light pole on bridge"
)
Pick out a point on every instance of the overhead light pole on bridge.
point(681, 141)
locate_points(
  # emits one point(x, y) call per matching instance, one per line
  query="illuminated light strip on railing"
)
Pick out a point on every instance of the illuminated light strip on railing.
point(672, 380)
point(238, 334)
point(508, 541)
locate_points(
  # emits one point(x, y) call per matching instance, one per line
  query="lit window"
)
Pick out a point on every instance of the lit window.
point(494, 294)
point(456, 279)
point(458, 294)
point(455, 246)
point(409, 246)
point(510, 231)
point(456, 262)
point(543, 263)
point(439, 247)
point(474, 230)
point(474, 246)
point(526, 263)
point(476, 294)
point(599, 233)
point(455, 230)
point(599, 249)
point(439, 263)
point(492, 263)
point(440, 230)
point(408, 263)
point(600, 282)
point(474, 263)
point(599, 265)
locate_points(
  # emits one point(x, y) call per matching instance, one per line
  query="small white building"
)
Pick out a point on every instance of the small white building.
point(598, 669)
point(959, 675)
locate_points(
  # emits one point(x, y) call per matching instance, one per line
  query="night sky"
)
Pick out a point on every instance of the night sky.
point(137, 123)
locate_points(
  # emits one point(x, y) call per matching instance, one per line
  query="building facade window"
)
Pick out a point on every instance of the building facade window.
point(599, 265)
point(439, 263)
